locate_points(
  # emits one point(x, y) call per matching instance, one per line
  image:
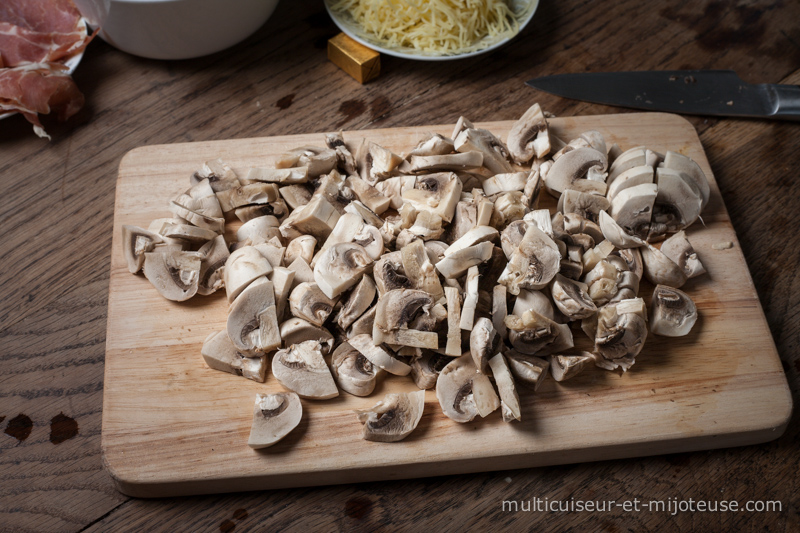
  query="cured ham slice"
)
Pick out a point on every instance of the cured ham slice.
point(39, 88)
point(36, 37)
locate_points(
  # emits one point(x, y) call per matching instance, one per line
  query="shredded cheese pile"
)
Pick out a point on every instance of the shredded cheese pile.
point(433, 26)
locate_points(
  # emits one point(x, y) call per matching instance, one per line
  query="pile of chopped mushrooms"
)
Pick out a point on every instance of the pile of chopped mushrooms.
point(438, 265)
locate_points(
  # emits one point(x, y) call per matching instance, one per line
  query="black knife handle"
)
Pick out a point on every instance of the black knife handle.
point(786, 100)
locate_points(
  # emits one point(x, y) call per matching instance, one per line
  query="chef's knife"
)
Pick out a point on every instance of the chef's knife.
point(693, 92)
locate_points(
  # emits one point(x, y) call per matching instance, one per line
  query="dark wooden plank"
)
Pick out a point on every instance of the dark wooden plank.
point(57, 206)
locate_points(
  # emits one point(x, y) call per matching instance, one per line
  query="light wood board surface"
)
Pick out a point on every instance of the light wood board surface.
point(172, 426)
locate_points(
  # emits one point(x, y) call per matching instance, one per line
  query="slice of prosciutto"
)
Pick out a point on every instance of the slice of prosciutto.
point(36, 37)
point(39, 88)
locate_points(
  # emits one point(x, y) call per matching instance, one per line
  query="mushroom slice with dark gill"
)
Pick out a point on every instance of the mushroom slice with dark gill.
point(533, 264)
point(621, 332)
point(399, 307)
point(393, 418)
point(529, 136)
point(379, 356)
point(495, 153)
point(572, 298)
point(215, 255)
point(302, 369)
point(463, 392)
point(672, 312)
point(577, 164)
point(308, 302)
point(219, 353)
point(253, 320)
point(174, 274)
point(426, 368)
point(340, 267)
point(678, 249)
point(353, 372)
point(136, 242)
point(274, 416)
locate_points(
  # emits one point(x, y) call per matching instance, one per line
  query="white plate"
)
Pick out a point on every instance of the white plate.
point(353, 30)
point(71, 64)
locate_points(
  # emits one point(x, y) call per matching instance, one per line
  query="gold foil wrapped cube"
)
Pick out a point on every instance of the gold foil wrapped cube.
point(362, 63)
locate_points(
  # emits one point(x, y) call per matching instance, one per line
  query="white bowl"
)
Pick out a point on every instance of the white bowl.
point(354, 30)
point(175, 29)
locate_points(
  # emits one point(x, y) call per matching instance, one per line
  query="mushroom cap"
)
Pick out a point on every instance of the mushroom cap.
point(302, 246)
point(248, 315)
point(136, 242)
point(211, 270)
point(463, 393)
point(359, 300)
point(219, 353)
point(632, 208)
point(379, 356)
point(393, 418)
point(531, 332)
point(678, 249)
point(672, 312)
point(426, 368)
point(242, 267)
point(677, 204)
point(630, 178)
point(389, 273)
point(353, 372)
point(616, 234)
point(274, 416)
point(495, 153)
point(692, 170)
point(302, 369)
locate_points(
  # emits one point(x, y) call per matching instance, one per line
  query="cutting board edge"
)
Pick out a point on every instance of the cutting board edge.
point(130, 486)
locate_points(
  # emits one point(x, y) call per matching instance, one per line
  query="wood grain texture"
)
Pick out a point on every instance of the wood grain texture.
point(53, 310)
point(173, 427)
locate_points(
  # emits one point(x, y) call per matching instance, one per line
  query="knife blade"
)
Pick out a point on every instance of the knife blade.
point(692, 92)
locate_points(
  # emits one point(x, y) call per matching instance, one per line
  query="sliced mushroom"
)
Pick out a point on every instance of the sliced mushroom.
point(215, 255)
point(375, 162)
point(393, 418)
point(633, 258)
point(660, 269)
point(433, 144)
point(344, 158)
point(692, 170)
point(353, 372)
point(509, 401)
point(379, 356)
point(274, 417)
point(302, 272)
point(438, 193)
point(530, 370)
point(678, 249)
point(500, 309)
point(366, 214)
point(481, 343)
point(456, 264)
point(437, 163)
point(242, 267)
point(363, 326)
point(174, 274)
point(534, 333)
point(529, 136)
point(471, 299)
point(187, 232)
point(359, 300)
point(420, 271)
point(296, 330)
point(389, 274)
point(672, 312)
point(621, 332)
point(253, 320)
point(302, 246)
point(317, 218)
point(632, 208)
point(302, 369)
point(678, 202)
point(135, 243)
point(533, 264)
point(258, 230)
point(219, 353)
point(630, 178)
point(572, 166)
point(512, 235)
point(426, 368)
point(572, 298)
point(284, 176)
point(296, 196)
point(318, 160)
point(564, 367)
point(588, 206)
point(307, 301)
point(508, 207)
point(474, 236)
point(254, 193)
point(453, 347)
point(399, 307)
point(499, 183)
point(635, 157)
point(340, 267)
point(368, 195)
point(463, 392)
point(533, 300)
point(616, 234)
point(495, 153)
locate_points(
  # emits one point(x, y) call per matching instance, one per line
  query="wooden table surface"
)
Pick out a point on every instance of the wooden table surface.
point(57, 205)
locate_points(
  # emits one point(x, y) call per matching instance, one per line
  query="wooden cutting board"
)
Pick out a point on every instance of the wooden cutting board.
point(172, 426)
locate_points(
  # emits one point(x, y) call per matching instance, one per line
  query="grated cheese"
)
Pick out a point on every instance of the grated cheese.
point(433, 27)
